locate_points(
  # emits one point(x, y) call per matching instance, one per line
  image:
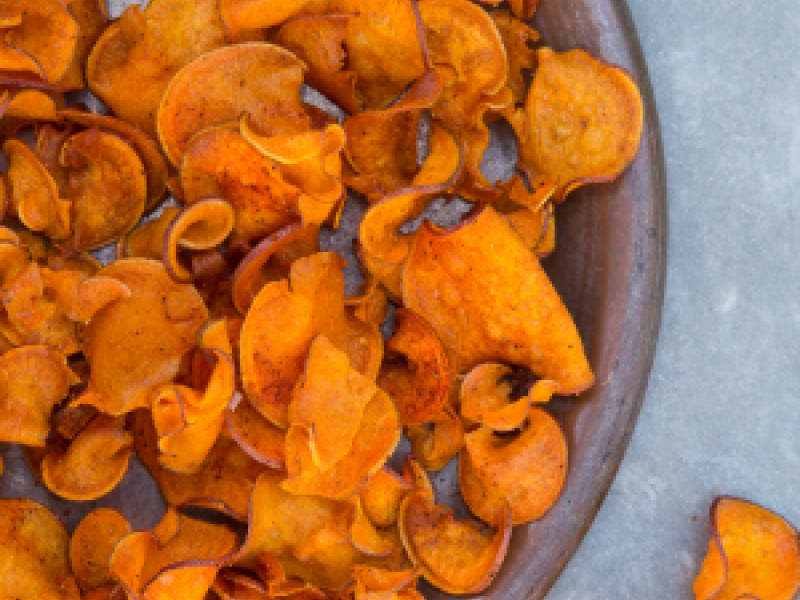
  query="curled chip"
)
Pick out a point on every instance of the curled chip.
point(136, 344)
point(224, 482)
point(91, 546)
point(92, 18)
point(178, 559)
point(436, 444)
point(753, 553)
point(259, 79)
point(458, 557)
point(381, 145)
point(34, 195)
point(363, 534)
point(515, 315)
point(107, 186)
point(526, 471)
point(371, 306)
point(93, 464)
point(381, 249)
point(33, 379)
point(147, 239)
point(46, 31)
point(34, 555)
point(516, 36)
point(582, 122)
point(219, 162)
point(259, 438)
point(370, 578)
point(381, 496)
point(416, 371)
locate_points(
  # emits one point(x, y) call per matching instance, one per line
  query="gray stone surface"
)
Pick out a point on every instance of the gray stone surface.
point(721, 414)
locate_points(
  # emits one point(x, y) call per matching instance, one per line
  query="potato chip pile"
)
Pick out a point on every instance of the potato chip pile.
point(220, 346)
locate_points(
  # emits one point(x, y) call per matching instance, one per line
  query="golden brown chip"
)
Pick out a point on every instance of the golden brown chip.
point(33, 379)
point(266, 80)
point(754, 553)
point(34, 555)
point(515, 314)
point(91, 545)
point(381, 496)
point(582, 121)
point(136, 344)
point(258, 437)
point(458, 557)
point(526, 471)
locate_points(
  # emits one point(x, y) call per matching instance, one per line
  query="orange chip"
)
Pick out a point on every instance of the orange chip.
point(516, 36)
point(219, 162)
point(33, 379)
point(754, 553)
point(136, 344)
point(91, 545)
point(244, 15)
point(435, 445)
point(371, 306)
point(258, 437)
point(147, 239)
point(34, 555)
point(224, 483)
point(381, 250)
point(382, 144)
point(34, 195)
point(376, 579)
point(527, 471)
point(415, 372)
point(266, 80)
point(515, 314)
point(363, 534)
point(146, 147)
point(47, 31)
point(32, 105)
point(91, 17)
point(107, 186)
point(582, 122)
point(381, 496)
point(318, 41)
point(458, 557)
point(537, 228)
point(235, 585)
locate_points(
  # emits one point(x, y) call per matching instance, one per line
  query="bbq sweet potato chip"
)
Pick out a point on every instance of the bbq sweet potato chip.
point(416, 371)
point(381, 496)
point(91, 546)
point(33, 379)
point(259, 79)
point(582, 122)
point(107, 186)
point(519, 318)
point(527, 471)
point(136, 344)
point(34, 555)
point(753, 553)
point(458, 557)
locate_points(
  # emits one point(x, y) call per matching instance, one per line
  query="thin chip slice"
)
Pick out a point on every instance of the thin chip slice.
point(516, 37)
point(363, 534)
point(34, 555)
point(381, 496)
point(527, 470)
point(754, 553)
point(258, 437)
point(266, 80)
point(434, 445)
point(244, 15)
point(582, 122)
point(458, 557)
point(514, 316)
point(147, 239)
point(92, 18)
point(91, 545)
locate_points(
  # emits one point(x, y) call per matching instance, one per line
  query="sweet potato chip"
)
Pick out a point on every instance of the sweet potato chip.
point(244, 15)
point(458, 557)
point(519, 317)
point(31, 105)
point(107, 187)
point(232, 584)
point(376, 579)
point(258, 437)
point(91, 17)
point(136, 344)
point(436, 444)
point(147, 239)
point(582, 122)
point(381, 496)
point(375, 440)
point(415, 372)
point(47, 31)
point(91, 546)
point(318, 40)
point(536, 228)
point(219, 162)
point(34, 555)
point(516, 37)
point(202, 225)
point(34, 194)
point(381, 250)
point(33, 379)
point(371, 304)
point(363, 534)
point(382, 144)
point(527, 470)
point(753, 553)
point(224, 483)
point(266, 80)
point(146, 147)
